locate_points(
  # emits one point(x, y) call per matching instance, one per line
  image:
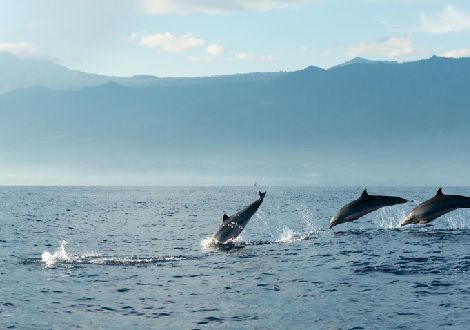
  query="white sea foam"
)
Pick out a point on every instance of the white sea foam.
point(61, 256)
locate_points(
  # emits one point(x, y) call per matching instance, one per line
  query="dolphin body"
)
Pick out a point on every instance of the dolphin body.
point(232, 226)
point(433, 208)
point(363, 205)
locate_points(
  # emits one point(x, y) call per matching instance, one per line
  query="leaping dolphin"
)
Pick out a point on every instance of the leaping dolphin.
point(232, 226)
point(363, 205)
point(433, 208)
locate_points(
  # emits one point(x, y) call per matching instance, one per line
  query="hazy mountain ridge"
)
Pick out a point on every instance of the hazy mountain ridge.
point(25, 73)
point(361, 60)
point(403, 123)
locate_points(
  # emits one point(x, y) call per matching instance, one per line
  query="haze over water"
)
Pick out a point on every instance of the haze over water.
point(140, 258)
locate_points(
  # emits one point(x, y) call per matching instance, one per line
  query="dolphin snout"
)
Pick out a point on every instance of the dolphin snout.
point(407, 221)
point(334, 221)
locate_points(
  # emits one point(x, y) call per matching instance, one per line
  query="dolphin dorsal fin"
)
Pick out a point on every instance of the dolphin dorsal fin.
point(364, 194)
point(439, 192)
point(225, 217)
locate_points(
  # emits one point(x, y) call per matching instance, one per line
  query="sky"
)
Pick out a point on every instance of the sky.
point(171, 38)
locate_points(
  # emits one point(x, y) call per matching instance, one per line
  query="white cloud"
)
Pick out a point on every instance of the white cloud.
point(386, 48)
point(450, 19)
point(25, 50)
point(215, 7)
point(244, 56)
point(249, 57)
point(214, 50)
point(265, 58)
point(168, 42)
point(457, 53)
point(21, 49)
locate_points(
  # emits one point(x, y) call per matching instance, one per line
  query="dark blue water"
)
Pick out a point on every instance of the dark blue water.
point(140, 258)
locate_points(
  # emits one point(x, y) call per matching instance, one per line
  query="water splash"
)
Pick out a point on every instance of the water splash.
point(390, 217)
point(59, 255)
point(276, 233)
point(307, 218)
point(290, 236)
point(262, 218)
point(287, 236)
point(458, 219)
point(208, 243)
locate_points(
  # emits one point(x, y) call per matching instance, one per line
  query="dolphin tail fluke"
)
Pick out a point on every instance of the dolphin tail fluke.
point(261, 195)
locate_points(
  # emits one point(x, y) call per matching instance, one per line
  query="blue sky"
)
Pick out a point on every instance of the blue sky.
point(211, 37)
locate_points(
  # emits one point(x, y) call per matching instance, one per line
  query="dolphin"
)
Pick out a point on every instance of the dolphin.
point(232, 226)
point(363, 205)
point(433, 208)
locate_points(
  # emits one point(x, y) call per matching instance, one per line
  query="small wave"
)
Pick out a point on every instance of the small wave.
point(60, 256)
point(130, 261)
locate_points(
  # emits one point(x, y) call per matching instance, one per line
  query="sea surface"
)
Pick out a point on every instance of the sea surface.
point(142, 258)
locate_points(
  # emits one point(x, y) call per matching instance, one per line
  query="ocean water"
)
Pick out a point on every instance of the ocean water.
point(141, 258)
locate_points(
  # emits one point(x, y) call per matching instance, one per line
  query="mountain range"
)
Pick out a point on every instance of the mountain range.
point(26, 73)
point(360, 123)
